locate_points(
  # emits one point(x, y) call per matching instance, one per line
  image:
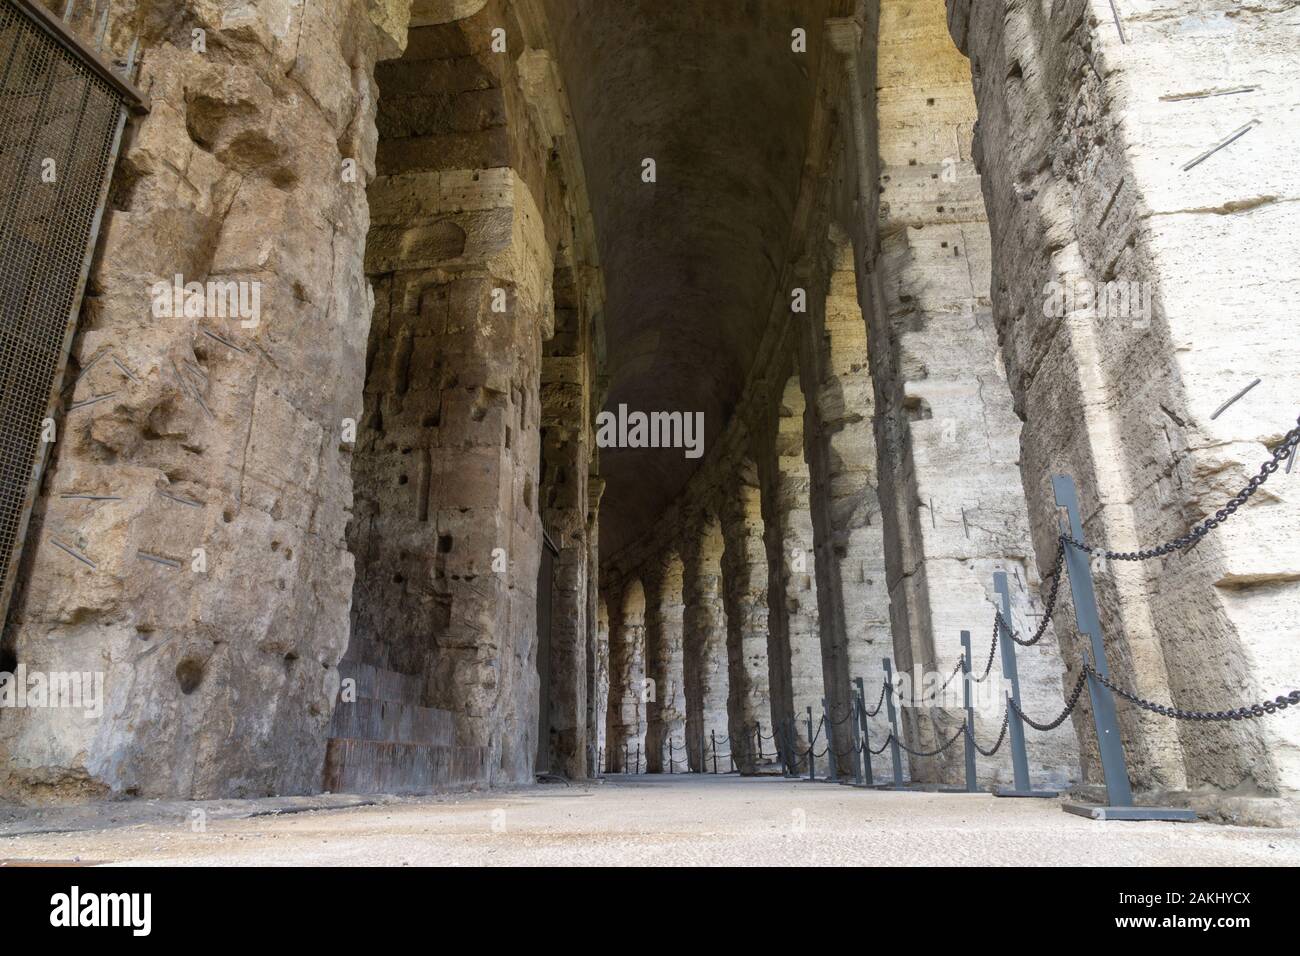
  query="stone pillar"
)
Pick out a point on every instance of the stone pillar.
point(852, 600)
point(666, 708)
point(792, 595)
point(627, 680)
point(215, 588)
point(600, 681)
point(597, 634)
point(566, 459)
point(745, 582)
point(945, 422)
point(1090, 146)
point(705, 623)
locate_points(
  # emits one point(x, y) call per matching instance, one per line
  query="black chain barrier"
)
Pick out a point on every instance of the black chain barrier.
point(1049, 606)
point(1239, 713)
point(880, 703)
point(993, 646)
point(1069, 707)
point(933, 753)
point(1002, 735)
point(1192, 537)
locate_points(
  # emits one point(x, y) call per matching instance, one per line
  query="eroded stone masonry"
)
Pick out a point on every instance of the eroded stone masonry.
point(374, 541)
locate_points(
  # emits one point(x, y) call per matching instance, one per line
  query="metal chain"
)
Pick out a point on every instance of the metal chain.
point(1074, 699)
point(880, 703)
point(1002, 735)
point(1049, 606)
point(837, 723)
point(932, 753)
point(1239, 713)
point(882, 746)
point(988, 667)
point(1192, 537)
point(951, 677)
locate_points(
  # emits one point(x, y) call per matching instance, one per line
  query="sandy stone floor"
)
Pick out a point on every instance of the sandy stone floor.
point(658, 821)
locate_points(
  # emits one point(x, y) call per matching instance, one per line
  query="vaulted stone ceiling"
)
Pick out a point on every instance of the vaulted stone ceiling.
point(714, 93)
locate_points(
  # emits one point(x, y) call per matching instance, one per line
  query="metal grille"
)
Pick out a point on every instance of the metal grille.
point(60, 126)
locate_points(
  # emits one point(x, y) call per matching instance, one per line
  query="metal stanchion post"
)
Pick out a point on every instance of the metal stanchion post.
point(812, 747)
point(866, 735)
point(854, 738)
point(894, 751)
point(971, 786)
point(1113, 765)
point(1015, 727)
point(832, 772)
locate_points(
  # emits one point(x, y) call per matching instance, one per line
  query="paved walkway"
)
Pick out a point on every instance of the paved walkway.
point(650, 820)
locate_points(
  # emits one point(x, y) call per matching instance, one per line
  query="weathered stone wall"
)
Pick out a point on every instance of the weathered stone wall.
point(1091, 120)
point(239, 440)
point(207, 434)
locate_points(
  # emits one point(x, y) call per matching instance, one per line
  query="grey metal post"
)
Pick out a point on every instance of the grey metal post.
point(670, 753)
point(638, 757)
point(758, 735)
point(893, 724)
point(812, 746)
point(1113, 765)
point(1111, 748)
point(971, 786)
point(832, 770)
point(866, 734)
point(1015, 728)
point(855, 739)
point(713, 738)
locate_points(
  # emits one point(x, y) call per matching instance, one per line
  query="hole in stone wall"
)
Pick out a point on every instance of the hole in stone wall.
point(444, 543)
point(189, 674)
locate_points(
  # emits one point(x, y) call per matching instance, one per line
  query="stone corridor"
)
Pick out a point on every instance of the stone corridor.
point(635, 380)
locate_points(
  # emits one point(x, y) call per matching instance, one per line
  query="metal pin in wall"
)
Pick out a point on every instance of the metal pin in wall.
point(158, 559)
point(125, 371)
point(1118, 23)
point(74, 552)
point(1224, 407)
point(1232, 138)
point(184, 501)
point(224, 341)
point(103, 29)
point(90, 401)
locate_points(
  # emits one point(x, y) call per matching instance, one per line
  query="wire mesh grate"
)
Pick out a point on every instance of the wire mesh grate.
point(58, 133)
